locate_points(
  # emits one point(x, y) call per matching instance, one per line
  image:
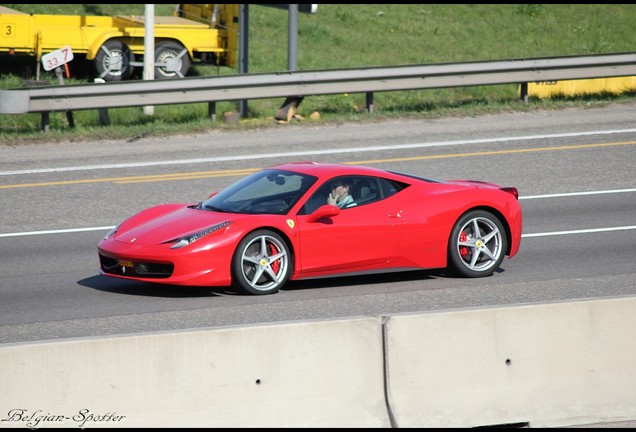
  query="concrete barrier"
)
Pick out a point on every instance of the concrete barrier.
point(298, 374)
point(542, 365)
point(546, 365)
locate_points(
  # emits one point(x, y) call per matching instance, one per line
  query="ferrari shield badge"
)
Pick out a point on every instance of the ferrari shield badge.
point(290, 222)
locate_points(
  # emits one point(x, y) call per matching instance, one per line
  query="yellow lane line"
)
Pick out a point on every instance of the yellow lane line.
point(227, 173)
point(136, 179)
point(495, 152)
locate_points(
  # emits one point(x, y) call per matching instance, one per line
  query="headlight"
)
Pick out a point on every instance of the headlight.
point(186, 240)
point(111, 233)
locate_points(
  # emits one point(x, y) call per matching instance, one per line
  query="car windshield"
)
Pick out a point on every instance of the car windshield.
point(265, 192)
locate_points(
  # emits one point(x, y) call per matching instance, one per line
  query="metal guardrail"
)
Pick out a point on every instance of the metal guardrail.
point(308, 83)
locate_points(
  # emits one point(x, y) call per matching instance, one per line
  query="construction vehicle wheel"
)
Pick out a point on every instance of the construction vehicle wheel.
point(171, 60)
point(113, 61)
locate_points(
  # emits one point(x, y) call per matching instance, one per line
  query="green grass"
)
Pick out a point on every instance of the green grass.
point(354, 36)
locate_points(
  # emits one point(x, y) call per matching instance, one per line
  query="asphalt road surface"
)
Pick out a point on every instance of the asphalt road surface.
point(574, 169)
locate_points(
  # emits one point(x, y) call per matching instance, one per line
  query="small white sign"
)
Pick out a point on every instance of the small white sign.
point(57, 58)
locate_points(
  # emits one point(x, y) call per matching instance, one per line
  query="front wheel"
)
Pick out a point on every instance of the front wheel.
point(262, 263)
point(477, 244)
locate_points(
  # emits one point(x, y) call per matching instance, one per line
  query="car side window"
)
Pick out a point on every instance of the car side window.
point(364, 190)
point(320, 196)
point(371, 189)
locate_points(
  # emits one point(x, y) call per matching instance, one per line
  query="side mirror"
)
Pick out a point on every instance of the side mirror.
point(326, 210)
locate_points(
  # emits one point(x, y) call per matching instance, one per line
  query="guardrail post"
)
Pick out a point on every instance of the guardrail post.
point(212, 111)
point(523, 90)
point(369, 102)
point(60, 80)
point(45, 121)
point(104, 120)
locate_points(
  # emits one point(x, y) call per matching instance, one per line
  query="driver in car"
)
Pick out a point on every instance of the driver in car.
point(340, 195)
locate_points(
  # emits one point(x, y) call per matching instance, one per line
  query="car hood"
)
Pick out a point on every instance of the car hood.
point(170, 226)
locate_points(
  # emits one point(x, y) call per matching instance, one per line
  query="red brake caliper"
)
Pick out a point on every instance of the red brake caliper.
point(276, 264)
point(463, 250)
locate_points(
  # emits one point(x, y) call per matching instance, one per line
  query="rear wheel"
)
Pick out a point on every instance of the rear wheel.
point(477, 244)
point(113, 61)
point(173, 58)
point(262, 263)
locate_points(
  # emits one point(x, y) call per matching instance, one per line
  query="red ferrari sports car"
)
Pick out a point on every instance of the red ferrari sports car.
point(280, 224)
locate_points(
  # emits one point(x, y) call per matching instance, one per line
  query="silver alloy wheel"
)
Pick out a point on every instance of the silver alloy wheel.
point(480, 244)
point(264, 263)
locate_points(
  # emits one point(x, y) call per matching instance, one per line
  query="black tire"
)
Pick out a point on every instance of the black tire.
point(262, 263)
point(477, 244)
point(108, 56)
point(171, 52)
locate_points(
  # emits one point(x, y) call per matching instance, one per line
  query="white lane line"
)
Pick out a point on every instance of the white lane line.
point(314, 152)
point(59, 231)
point(583, 231)
point(107, 228)
point(554, 233)
point(568, 194)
